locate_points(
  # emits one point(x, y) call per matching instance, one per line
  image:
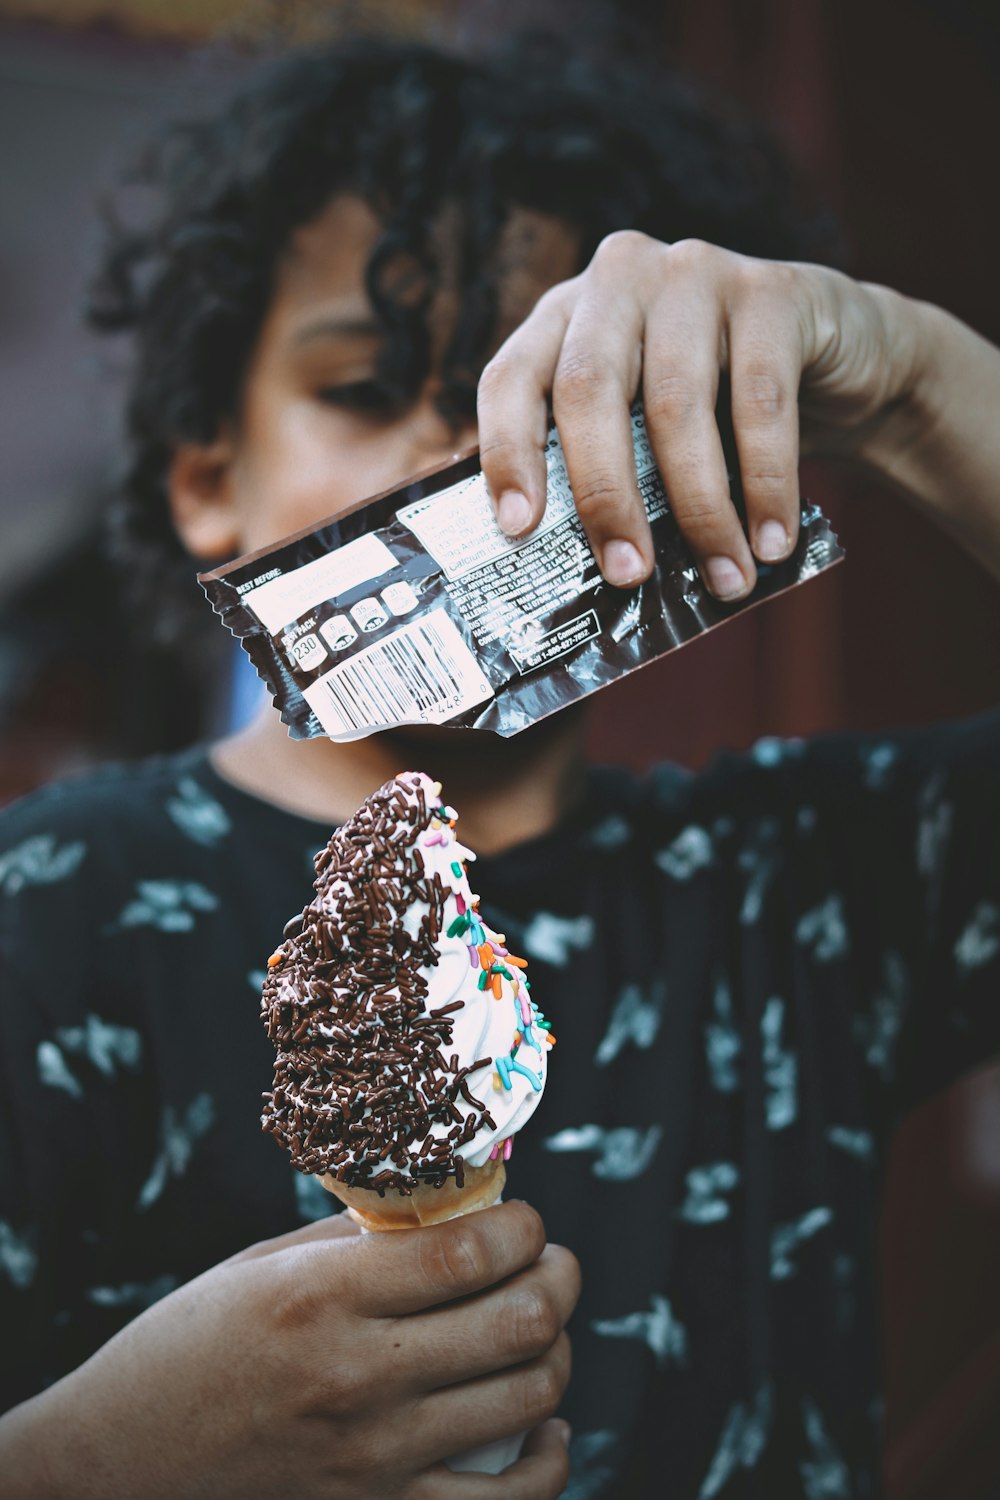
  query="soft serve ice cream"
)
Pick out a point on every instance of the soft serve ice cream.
point(409, 1049)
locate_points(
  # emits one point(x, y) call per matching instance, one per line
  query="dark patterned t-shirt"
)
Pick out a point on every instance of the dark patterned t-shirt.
point(752, 973)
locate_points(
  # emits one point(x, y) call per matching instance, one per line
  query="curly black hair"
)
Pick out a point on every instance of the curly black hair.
point(411, 128)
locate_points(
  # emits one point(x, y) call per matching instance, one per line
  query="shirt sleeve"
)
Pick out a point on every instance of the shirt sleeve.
point(43, 1130)
point(892, 892)
point(62, 1067)
point(942, 792)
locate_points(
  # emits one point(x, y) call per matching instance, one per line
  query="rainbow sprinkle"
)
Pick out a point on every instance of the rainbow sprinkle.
point(495, 963)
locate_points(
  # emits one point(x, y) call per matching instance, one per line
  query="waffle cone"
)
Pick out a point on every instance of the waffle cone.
point(425, 1205)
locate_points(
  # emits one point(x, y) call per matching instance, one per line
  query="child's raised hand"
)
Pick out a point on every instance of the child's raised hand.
point(664, 322)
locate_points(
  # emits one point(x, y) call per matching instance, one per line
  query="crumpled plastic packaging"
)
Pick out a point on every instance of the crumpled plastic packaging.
point(414, 608)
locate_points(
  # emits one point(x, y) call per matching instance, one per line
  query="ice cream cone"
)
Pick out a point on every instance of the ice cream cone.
point(425, 1205)
point(408, 1044)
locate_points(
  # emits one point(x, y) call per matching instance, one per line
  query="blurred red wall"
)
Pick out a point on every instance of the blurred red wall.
point(894, 110)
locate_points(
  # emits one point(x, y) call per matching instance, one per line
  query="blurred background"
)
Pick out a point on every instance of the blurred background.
point(893, 111)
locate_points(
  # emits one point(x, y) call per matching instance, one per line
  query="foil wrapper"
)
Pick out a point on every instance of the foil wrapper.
point(414, 608)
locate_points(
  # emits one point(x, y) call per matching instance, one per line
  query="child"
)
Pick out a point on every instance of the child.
point(752, 971)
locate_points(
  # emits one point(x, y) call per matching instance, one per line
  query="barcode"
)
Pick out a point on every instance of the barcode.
point(424, 672)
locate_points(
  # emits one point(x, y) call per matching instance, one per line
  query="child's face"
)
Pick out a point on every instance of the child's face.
point(300, 451)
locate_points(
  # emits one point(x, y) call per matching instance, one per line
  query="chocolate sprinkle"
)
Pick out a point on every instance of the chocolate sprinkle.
point(363, 1073)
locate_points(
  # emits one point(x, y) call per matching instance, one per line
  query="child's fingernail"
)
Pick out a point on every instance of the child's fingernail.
point(513, 512)
point(565, 1433)
point(724, 578)
point(772, 541)
point(623, 564)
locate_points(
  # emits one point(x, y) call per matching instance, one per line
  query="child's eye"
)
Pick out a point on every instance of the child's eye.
point(362, 395)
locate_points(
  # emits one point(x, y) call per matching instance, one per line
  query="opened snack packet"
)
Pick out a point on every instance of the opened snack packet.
point(415, 608)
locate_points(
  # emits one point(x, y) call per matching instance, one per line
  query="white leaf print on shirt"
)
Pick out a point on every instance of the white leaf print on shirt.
point(622, 1154)
point(878, 1030)
point(102, 1043)
point(766, 752)
point(688, 853)
point(659, 1329)
point(780, 1068)
point(770, 751)
point(786, 1238)
point(760, 859)
point(635, 1018)
point(552, 939)
point(178, 1138)
point(589, 1466)
point(825, 1475)
point(18, 1257)
point(133, 1294)
point(878, 762)
point(53, 1072)
point(704, 1203)
point(858, 1143)
point(824, 931)
point(197, 814)
point(169, 905)
point(743, 1439)
point(39, 861)
point(934, 825)
point(980, 938)
point(723, 1043)
point(611, 833)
